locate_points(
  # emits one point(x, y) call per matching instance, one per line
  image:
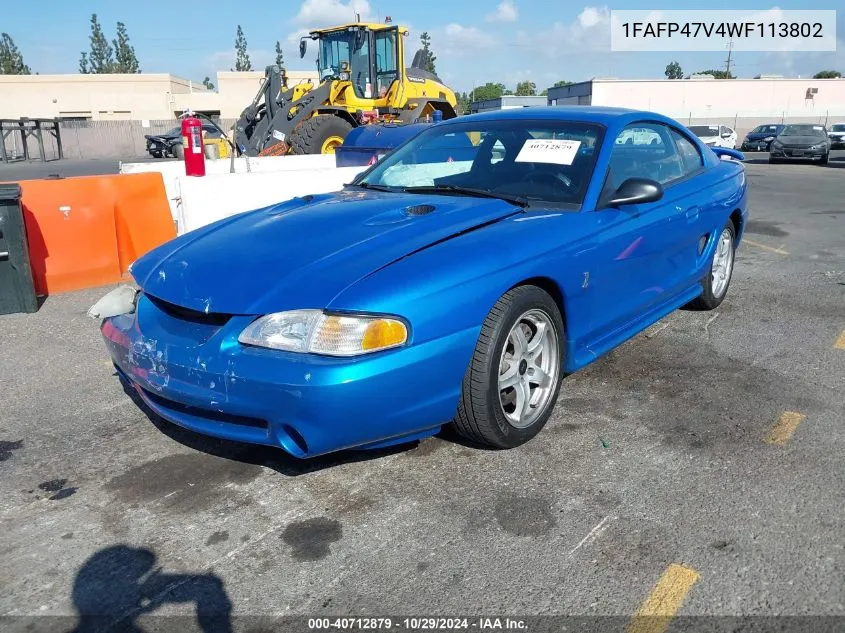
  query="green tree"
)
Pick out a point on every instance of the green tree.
point(280, 57)
point(100, 59)
point(11, 60)
point(488, 91)
point(242, 61)
point(673, 71)
point(124, 52)
point(428, 57)
point(718, 74)
point(822, 74)
point(463, 103)
point(207, 83)
point(526, 88)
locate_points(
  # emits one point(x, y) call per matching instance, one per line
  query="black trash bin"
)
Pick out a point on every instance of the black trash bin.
point(17, 290)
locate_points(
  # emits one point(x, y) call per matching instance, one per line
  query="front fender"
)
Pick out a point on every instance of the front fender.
point(450, 287)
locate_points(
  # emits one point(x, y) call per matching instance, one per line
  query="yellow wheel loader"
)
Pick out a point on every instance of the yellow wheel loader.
point(363, 79)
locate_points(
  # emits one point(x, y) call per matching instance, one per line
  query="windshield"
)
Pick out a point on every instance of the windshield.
point(547, 162)
point(765, 129)
point(837, 127)
point(177, 131)
point(346, 54)
point(704, 130)
point(803, 130)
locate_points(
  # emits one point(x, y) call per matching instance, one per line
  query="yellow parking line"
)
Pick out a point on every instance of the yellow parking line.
point(840, 342)
point(765, 247)
point(656, 613)
point(784, 427)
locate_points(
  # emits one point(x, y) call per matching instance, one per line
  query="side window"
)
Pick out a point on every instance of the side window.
point(644, 150)
point(691, 159)
point(386, 69)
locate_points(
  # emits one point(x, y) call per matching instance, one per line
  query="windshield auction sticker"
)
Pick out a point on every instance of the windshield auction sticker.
point(548, 151)
point(711, 30)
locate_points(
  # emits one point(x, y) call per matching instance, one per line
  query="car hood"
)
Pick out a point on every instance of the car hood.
point(304, 252)
point(759, 136)
point(709, 139)
point(836, 133)
point(801, 141)
point(160, 137)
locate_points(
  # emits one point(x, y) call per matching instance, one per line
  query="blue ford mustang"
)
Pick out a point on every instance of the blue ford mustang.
point(454, 282)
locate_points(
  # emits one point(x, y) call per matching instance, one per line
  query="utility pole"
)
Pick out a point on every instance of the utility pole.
point(728, 61)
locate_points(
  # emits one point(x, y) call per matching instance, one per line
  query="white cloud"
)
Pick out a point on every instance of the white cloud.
point(593, 16)
point(589, 32)
point(322, 13)
point(456, 40)
point(316, 14)
point(505, 12)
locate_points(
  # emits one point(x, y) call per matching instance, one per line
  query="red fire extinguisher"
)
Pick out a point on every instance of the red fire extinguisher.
point(192, 146)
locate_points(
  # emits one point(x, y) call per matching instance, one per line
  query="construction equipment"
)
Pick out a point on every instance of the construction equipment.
point(363, 80)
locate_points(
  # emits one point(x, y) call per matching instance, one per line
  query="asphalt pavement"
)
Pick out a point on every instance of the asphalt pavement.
point(696, 469)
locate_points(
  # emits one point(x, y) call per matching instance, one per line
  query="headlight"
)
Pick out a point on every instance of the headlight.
point(312, 331)
point(817, 146)
point(777, 144)
point(769, 138)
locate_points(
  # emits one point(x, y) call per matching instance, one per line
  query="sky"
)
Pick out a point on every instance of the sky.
point(475, 41)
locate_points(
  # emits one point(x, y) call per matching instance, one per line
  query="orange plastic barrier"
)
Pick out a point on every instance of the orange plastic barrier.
point(84, 232)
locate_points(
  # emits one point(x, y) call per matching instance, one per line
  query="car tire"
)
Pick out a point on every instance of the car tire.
point(319, 134)
point(509, 353)
point(772, 161)
point(178, 151)
point(824, 159)
point(721, 266)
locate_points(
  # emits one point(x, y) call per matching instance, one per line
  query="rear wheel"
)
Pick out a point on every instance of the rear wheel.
point(178, 151)
point(319, 135)
point(721, 270)
point(510, 388)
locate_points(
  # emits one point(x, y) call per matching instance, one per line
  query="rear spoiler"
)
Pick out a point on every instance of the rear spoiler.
point(728, 153)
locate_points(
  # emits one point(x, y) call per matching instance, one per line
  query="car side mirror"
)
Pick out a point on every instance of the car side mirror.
point(636, 191)
point(302, 46)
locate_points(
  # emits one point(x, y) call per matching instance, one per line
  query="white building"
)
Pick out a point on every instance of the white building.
point(145, 96)
point(740, 103)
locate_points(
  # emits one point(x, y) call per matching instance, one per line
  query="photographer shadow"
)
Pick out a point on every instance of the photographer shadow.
point(119, 584)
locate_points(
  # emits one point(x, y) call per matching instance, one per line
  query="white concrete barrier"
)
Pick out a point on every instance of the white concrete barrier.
point(172, 171)
point(217, 196)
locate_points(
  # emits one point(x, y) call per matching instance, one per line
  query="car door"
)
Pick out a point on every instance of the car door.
point(646, 252)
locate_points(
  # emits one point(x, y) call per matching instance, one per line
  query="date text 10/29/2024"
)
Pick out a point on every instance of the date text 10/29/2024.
point(417, 624)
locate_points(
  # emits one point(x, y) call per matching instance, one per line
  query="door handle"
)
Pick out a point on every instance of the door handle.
point(4, 254)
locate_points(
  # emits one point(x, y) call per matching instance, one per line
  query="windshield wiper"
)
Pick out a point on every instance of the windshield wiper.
point(366, 185)
point(469, 191)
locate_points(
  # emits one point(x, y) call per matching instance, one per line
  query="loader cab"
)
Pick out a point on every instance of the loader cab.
point(369, 58)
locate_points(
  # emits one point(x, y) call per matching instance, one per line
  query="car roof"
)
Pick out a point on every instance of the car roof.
point(595, 114)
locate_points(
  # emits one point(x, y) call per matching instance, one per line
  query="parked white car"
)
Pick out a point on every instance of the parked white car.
point(836, 134)
point(715, 135)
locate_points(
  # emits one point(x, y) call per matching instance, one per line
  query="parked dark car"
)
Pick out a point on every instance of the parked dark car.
point(760, 138)
point(170, 143)
point(801, 142)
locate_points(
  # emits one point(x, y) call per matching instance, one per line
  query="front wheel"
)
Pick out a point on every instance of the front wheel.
point(178, 151)
point(824, 159)
point(512, 383)
point(320, 134)
point(721, 270)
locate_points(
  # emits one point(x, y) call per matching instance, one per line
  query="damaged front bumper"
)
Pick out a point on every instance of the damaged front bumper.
point(193, 372)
